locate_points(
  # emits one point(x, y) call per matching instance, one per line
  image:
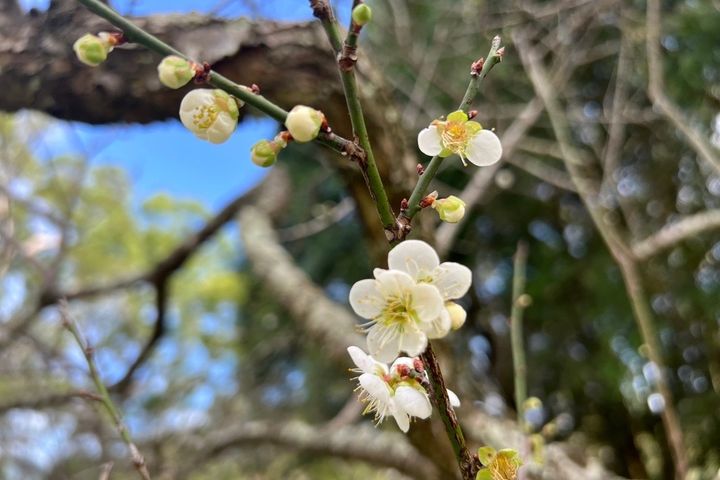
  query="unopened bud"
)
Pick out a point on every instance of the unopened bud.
point(450, 209)
point(458, 315)
point(91, 49)
point(361, 14)
point(264, 153)
point(304, 123)
point(175, 72)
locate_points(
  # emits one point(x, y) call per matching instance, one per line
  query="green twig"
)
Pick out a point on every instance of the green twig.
point(346, 66)
point(135, 34)
point(520, 301)
point(478, 71)
point(104, 397)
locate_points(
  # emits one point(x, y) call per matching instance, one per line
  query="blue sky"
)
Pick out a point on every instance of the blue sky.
point(164, 157)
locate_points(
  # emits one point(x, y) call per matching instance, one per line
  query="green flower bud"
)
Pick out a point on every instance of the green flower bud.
point(361, 14)
point(450, 209)
point(304, 123)
point(264, 153)
point(91, 49)
point(175, 72)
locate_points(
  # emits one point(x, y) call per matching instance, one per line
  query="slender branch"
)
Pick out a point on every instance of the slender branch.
point(135, 455)
point(656, 89)
point(476, 75)
point(520, 301)
point(674, 233)
point(347, 57)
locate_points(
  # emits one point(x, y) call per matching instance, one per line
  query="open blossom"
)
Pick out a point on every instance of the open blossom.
point(459, 135)
point(394, 391)
point(401, 313)
point(211, 115)
point(452, 280)
point(498, 465)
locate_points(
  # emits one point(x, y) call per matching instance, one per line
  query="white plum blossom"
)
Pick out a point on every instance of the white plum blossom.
point(459, 135)
point(211, 115)
point(401, 313)
point(452, 280)
point(396, 391)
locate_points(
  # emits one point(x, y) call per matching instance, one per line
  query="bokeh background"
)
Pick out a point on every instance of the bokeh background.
point(211, 343)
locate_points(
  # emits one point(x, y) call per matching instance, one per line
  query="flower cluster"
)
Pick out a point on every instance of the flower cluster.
point(396, 391)
point(407, 304)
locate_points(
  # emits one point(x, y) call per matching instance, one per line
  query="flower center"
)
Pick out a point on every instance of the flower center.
point(398, 310)
point(455, 137)
point(205, 116)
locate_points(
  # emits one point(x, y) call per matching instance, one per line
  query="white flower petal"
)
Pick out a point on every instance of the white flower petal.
point(484, 149)
point(429, 141)
point(427, 302)
point(452, 279)
point(412, 341)
point(394, 283)
point(361, 359)
point(402, 419)
point(414, 257)
point(383, 343)
point(378, 271)
point(454, 400)
point(413, 401)
point(366, 299)
point(376, 387)
point(439, 327)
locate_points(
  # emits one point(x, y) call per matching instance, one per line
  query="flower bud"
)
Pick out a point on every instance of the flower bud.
point(457, 314)
point(91, 49)
point(175, 72)
point(361, 14)
point(264, 153)
point(211, 115)
point(450, 209)
point(304, 123)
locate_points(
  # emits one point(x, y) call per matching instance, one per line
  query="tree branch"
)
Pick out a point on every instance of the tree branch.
point(656, 89)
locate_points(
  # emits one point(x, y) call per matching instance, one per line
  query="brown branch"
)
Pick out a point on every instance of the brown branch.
point(656, 89)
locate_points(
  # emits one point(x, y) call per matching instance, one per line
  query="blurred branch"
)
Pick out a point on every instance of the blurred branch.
point(328, 323)
point(88, 351)
point(316, 225)
point(379, 448)
point(674, 233)
point(520, 301)
point(656, 89)
point(588, 190)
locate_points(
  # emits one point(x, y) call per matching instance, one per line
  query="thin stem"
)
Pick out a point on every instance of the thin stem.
point(137, 35)
point(473, 88)
point(469, 465)
point(104, 397)
point(520, 301)
point(346, 67)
